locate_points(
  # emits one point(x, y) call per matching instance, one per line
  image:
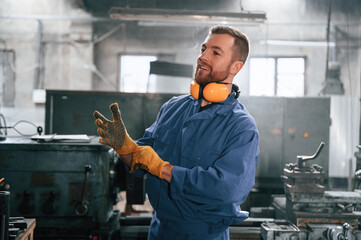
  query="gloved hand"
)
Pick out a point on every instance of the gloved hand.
point(146, 158)
point(113, 133)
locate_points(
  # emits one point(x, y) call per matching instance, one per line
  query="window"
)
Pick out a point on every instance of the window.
point(135, 77)
point(134, 72)
point(277, 76)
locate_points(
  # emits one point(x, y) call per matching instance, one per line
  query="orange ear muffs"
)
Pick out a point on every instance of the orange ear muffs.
point(215, 92)
point(212, 92)
point(195, 88)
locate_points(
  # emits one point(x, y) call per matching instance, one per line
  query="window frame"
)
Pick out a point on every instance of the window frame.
point(119, 81)
point(275, 77)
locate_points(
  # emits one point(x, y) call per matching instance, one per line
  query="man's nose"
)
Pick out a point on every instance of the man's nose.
point(203, 56)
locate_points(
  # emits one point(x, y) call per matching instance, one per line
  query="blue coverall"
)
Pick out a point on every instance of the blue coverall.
point(215, 154)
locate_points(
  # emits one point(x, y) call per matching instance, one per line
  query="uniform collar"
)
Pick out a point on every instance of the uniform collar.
point(224, 107)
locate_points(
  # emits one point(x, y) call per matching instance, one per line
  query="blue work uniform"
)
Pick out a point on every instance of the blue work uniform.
point(215, 154)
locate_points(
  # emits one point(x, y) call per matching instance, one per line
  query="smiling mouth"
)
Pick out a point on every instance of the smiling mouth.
point(203, 68)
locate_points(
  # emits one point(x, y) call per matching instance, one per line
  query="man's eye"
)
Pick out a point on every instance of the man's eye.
point(216, 53)
point(202, 50)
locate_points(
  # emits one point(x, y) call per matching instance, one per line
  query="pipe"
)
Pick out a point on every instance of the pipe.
point(39, 34)
point(107, 19)
point(52, 18)
point(328, 40)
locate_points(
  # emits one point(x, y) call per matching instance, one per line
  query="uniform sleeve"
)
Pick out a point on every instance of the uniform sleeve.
point(228, 180)
point(147, 139)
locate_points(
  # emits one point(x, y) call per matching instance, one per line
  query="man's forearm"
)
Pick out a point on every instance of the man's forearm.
point(127, 159)
point(167, 172)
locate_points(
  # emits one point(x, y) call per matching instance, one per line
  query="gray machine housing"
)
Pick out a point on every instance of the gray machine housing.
point(62, 185)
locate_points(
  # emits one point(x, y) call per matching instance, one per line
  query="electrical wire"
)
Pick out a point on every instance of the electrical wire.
point(329, 14)
point(350, 83)
point(93, 69)
point(24, 121)
point(16, 130)
point(99, 39)
point(109, 33)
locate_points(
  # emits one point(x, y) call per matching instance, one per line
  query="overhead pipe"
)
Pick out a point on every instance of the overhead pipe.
point(53, 18)
point(39, 35)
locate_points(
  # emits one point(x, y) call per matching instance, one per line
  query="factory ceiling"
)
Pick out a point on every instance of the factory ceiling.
point(101, 8)
point(137, 30)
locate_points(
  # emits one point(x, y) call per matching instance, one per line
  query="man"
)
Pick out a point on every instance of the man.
point(202, 150)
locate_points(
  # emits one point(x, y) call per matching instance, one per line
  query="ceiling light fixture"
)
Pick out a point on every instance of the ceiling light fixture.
point(298, 43)
point(186, 16)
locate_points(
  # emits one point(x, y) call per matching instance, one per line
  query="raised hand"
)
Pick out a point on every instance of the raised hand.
point(114, 133)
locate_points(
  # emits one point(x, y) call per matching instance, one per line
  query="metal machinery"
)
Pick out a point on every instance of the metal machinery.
point(69, 112)
point(291, 130)
point(313, 213)
point(70, 188)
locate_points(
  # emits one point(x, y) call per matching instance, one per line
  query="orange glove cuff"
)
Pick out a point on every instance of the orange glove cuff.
point(146, 158)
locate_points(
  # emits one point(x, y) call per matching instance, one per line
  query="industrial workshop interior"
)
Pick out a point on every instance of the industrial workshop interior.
point(278, 157)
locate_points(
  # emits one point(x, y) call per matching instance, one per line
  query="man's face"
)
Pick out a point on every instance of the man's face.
point(215, 60)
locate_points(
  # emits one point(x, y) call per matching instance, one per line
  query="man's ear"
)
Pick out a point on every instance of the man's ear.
point(236, 67)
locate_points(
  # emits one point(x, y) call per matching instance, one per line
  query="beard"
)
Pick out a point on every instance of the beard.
point(212, 76)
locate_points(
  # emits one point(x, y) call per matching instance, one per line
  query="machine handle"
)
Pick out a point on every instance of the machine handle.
point(301, 159)
point(345, 228)
point(81, 208)
point(344, 207)
point(88, 168)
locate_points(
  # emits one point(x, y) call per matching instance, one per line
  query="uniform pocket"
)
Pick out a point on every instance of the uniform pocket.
point(164, 141)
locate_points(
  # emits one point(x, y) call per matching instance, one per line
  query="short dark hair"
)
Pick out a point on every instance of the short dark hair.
point(241, 41)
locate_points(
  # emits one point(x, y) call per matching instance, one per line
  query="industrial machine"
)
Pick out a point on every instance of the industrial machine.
point(312, 212)
point(70, 188)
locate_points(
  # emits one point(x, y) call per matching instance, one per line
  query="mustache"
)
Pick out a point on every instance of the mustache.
point(202, 64)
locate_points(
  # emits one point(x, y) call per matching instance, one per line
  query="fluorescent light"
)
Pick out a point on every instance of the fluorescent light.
point(187, 24)
point(298, 43)
point(189, 16)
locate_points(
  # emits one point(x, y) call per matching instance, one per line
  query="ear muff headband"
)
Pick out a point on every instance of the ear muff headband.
point(212, 92)
point(235, 88)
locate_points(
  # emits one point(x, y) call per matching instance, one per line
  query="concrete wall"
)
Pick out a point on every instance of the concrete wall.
point(52, 61)
point(61, 52)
